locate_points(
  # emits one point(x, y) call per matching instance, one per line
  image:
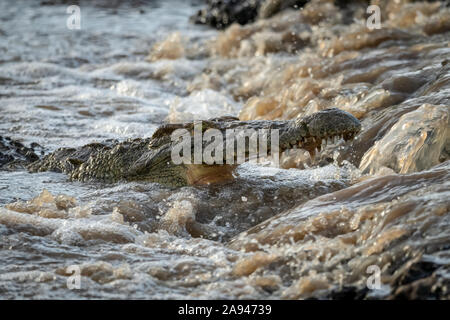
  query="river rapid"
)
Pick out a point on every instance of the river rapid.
point(322, 228)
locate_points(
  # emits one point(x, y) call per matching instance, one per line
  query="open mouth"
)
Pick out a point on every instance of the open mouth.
point(315, 144)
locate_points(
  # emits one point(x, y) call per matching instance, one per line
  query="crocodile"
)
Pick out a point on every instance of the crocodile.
point(150, 159)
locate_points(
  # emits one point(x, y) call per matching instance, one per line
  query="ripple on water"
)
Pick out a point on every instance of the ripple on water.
point(272, 233)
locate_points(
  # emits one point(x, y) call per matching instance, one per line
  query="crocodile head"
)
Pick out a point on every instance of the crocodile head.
point(156, 164)
point(311, 132)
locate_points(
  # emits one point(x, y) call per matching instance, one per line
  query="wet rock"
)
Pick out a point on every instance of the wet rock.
point(425, 288)
point(414, 143)
point(423, 280)
point(222, 13)
point(313, 217)
point(330, 242)
point(14, 154)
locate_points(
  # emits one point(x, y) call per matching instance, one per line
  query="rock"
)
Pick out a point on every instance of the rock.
point(415, 143)
point(14, 154)
point(330, 243)
point(423, 281)
point(222, 13)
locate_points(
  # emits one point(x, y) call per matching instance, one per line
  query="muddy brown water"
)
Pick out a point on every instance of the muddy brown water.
point(312, 228)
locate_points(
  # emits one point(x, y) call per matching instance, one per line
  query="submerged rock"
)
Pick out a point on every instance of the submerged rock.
point(397, 224)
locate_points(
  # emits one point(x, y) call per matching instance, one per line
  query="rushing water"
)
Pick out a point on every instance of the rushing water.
point(309, 229)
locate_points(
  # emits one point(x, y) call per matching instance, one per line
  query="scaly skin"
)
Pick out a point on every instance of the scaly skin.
point(150, 159)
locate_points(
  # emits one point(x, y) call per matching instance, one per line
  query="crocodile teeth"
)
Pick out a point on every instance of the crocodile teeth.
point(329, 140)
point(336, 139)
point(348, 136)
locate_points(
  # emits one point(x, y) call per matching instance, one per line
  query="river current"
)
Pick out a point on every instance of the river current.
point(313, 228)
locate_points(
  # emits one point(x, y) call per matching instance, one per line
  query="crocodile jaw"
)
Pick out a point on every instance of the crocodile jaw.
point(313, 131)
